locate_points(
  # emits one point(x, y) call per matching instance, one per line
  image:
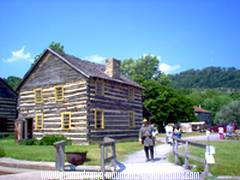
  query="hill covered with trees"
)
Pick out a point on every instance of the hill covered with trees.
point(209, 77)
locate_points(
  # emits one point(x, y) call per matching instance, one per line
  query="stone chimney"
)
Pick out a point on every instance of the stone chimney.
point(113, 68)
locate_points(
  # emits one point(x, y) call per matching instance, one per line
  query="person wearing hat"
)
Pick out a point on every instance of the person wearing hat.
point(146, 138)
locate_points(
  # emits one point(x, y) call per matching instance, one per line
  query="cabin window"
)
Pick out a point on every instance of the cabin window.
point(99, 119)
point(99, 88)
point(131, 119)
point(38, 96)
point(130, 93)
point(39, 121)
point(66, 120)
point(59, 93)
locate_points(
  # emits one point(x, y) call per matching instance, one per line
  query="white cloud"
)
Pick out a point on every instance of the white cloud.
point(96, 58)
point(167, 68)
point(19, 55)
point(164, 67)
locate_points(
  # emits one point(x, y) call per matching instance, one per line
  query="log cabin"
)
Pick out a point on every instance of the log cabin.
point(84, 101)
point(202, 115)
point(8, 111)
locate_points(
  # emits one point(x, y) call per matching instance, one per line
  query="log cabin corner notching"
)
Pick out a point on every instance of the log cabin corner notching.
point(84, 101)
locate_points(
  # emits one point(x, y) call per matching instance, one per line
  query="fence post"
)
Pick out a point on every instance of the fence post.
point(175, 147)
point(186, 162)
point(114, 155)
point(60, 153)
point(206, 169)
point(102, 158)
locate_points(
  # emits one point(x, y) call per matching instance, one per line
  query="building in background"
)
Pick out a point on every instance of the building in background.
point(8, 112)
point(202, 115)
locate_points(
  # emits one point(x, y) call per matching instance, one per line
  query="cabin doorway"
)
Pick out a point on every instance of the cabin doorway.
point(3, 124)
point(29, 127)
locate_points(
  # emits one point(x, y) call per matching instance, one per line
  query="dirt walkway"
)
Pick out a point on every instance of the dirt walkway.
point(136, 163)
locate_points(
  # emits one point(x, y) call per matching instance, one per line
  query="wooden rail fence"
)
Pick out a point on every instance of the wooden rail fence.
point(188, 156)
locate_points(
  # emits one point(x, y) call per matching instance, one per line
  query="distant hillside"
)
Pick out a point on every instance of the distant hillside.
point(210, 77)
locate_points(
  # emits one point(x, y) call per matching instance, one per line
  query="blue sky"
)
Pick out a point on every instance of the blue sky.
point(183, 34)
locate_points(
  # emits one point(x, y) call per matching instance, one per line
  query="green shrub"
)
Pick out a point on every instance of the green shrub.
point(2, 152)
point(51, 139)
point(32, 141)
point(198, 169)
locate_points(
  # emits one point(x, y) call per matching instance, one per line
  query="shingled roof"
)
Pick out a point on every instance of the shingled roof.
point(6, 91)
point(95, 70)
point(200, 110)
point(85, 67)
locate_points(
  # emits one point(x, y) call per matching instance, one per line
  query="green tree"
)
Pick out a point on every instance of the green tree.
point(235, 96)
point(56, 46)
point(209, 99)
point(209, 77)
point(142, 69)
point(166, 105)
point(13, 81)
point(228, 113)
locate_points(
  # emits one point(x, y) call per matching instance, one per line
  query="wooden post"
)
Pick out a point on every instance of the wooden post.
point(186, 162)
point(102, 158)
point(60, 153)
point(115, 158)
point(206, 169)
point(175, 144)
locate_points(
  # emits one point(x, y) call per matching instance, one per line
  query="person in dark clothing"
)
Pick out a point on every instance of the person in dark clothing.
point(146, 138)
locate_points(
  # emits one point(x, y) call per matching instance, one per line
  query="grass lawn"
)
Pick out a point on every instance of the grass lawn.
point(227, 158)
point(47, 153)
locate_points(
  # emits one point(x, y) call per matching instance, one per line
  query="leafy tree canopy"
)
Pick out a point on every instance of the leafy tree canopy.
point(164, 102)
point(13, 81)
point(141, 69)
point(166, 105)
point(56, 46)
point(209, 99)
point(210, 77)
point(229, 113)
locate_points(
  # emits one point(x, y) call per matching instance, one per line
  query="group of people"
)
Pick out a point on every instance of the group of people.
point(230, 129)
point(172, 130)
point(147, 136)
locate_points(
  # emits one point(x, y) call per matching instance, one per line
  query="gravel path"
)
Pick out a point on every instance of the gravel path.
point(136, 163)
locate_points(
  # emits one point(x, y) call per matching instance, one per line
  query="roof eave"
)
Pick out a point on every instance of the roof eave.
point(39, 59)
point(9, 87)
point(67, 62)
point(115, 80)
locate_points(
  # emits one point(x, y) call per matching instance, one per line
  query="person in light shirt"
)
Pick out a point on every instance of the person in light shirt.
point(221, 132)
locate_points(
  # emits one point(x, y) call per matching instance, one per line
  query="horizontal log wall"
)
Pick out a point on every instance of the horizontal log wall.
point(116, 106)
point(75, 101)
point(8, 110)
point(50, 70)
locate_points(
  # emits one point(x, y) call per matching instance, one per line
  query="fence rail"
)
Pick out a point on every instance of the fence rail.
point(188, 156)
